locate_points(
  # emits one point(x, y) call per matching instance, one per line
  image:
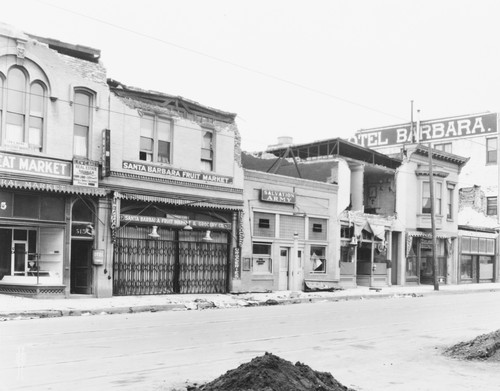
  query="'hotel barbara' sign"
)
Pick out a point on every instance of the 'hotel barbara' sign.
point(282, 197)
point(441, 129)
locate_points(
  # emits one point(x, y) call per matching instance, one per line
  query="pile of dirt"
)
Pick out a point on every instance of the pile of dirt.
point(271, 373)
point(486, 347)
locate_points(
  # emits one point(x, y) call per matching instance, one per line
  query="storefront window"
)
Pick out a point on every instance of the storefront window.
point(262, 261)
point(466, 267)
point(318, 259)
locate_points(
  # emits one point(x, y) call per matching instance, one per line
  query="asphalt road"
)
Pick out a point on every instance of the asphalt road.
point(372, 345)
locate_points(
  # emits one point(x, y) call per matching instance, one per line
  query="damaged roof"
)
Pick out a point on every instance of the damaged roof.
point(171, 102)
point(337, 147)
point(77, 51)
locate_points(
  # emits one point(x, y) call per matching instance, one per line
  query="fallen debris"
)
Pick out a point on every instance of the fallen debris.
point(272, 373)
point(485, 347)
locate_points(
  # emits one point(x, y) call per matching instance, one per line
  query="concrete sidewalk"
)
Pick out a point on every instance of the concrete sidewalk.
point(13, 307)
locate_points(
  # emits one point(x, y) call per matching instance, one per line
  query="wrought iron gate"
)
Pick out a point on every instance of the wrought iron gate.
point(155, 267)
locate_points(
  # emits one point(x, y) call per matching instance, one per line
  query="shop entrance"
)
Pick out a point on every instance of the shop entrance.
point(81, 267)
point(175, 262)
point(284, 261)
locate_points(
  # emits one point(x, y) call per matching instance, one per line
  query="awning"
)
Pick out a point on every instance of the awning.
point(216, 203)
point(378, 230)
point(52, 187)
point(428, 235)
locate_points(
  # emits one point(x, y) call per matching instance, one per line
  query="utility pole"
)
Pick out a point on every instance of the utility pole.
point(435, 266)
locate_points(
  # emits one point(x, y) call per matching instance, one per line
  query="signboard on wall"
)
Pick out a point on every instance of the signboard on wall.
point(30, 165)
point(281, 197)
point(237, 263)
point(85, 173)
point(173, 222)
point(174, 173)
point(433, 130)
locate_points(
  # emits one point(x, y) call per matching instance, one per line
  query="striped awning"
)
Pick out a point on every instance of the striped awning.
point(215, 203)
point(52, 187)
point(428, 235)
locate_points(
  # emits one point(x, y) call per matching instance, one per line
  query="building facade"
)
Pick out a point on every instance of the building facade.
point(52, 210)
point(292, 236)
point(177, 185)
point(107, 189)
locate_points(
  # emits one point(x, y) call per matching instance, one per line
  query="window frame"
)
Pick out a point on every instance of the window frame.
point(207, 163)
point(438, 201)
point(154, 152)
point(443, 147)
point(262, 257)
point(320, 269)
point(24, 112)
point(490, 206)
point(491, 154)
point(87, 127)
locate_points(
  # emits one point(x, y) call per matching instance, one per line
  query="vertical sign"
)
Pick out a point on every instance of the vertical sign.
point(106, 152)
point(237, 262)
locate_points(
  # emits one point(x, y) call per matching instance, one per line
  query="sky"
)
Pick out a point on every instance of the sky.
point(310, 70)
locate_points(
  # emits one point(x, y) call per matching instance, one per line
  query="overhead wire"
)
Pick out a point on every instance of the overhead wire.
point(222, 60)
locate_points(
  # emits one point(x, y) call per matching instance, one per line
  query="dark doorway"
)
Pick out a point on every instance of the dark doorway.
point(81, 268)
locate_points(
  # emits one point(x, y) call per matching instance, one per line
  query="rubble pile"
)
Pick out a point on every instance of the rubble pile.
point(485, 347)
point(272, 373)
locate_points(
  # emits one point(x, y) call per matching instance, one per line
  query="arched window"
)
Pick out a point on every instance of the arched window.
point(37, 108)
point(83, 103)
point(16, 107)
point(22, 110)
point(1, 99)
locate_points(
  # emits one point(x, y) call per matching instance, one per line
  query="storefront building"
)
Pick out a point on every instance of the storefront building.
point(291, 234)
point(414, 214)
point(52, 208)
point(173, 167)
point(478, 256)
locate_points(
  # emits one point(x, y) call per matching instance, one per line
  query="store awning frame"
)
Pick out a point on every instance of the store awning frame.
point(225, 204)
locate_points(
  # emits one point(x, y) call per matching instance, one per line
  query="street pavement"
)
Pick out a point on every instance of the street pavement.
point(14, 307)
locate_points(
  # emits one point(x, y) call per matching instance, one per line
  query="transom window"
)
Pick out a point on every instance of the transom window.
point(22, 112)
point(156, 139)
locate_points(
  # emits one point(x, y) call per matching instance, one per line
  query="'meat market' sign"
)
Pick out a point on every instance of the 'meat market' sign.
point(23, 164)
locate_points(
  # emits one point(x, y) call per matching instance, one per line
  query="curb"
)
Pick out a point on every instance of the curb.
point(203, 305)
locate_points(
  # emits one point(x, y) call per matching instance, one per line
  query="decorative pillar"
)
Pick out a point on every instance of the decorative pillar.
point(357, 192)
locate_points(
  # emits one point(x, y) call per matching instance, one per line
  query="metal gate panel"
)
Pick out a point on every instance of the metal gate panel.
point(203, 267)
point(143, 266)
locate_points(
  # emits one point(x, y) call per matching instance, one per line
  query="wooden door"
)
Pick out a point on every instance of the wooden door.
point(283, 274)
point(81, 267)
